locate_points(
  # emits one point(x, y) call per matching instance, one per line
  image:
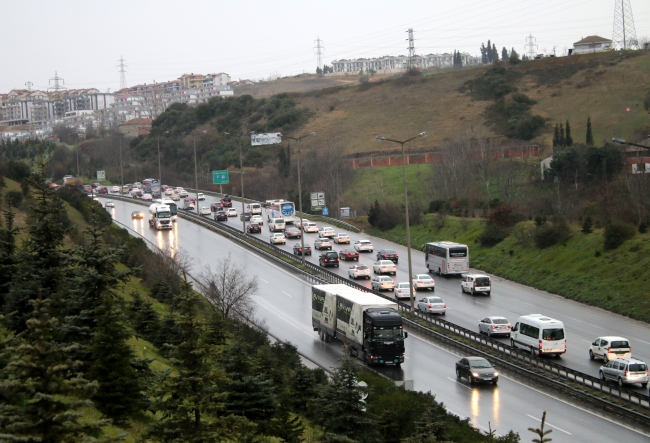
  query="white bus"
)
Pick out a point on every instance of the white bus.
point(445, 257)
point(282, 209)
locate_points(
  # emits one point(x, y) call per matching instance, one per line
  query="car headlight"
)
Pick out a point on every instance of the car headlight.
point(496, 374)
point(474, 374)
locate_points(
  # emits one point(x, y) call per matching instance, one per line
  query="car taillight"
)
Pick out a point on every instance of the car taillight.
point(430, 305)
point(474, 284)
point(510, 326)
point(540, 344)
point(609, 350)
point(444, 305)
point(396, 255)
point(419, 281)
point(494, 326)
point(626, 372)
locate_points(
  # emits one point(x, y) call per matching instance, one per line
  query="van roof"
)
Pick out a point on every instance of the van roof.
point(540, 318)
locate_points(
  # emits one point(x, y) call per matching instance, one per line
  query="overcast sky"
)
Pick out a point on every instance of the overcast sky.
point(82, 40)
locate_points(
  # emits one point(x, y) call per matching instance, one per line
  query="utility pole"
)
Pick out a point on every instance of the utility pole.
point(122, 70)
point(59, 107)
point(530, 44)
point(121, 168)
point(411, 49)
point(319, 53)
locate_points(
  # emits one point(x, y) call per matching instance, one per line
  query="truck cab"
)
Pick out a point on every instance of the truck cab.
point(160, 216)
point(383, 337)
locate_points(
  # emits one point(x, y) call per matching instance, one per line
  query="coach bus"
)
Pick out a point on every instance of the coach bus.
point(286, 210)
point(445, 257)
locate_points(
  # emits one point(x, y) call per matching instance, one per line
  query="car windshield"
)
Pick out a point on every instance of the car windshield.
point(482, 281)
point(458, 252)
point(637, 367)
point(404, 285)
point(477, 364)
point(362, 267)
point(385, 279)
point(553, 334)
point(387, 334)
point(619, 344)
point(499, 321)
point(422, 277)
point(389, 251)
point(435, 300)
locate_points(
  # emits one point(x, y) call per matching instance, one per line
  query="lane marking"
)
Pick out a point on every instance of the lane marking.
point(262, 279)
point(559, 429)
point(459, 383)
point(287, 294)
point(629, 428)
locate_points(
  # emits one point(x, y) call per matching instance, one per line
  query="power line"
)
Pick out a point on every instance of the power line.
point(122, 65)
point(624, 35)
point(319, 53)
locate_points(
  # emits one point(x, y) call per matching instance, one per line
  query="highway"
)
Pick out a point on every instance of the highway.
point(284, 302)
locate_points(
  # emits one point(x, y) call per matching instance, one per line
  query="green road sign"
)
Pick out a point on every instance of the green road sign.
point(220, 177)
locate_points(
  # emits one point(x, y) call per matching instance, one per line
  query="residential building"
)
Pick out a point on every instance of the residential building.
point(389, 64)
point(593, 43)
point(135, 127)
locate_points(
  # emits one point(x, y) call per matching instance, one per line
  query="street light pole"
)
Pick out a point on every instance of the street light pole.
point(121, 169)
point(196, 174)
point(406, 205)
point(241, 170)
point(159, 173)
point(622, 141)
point(302, 234)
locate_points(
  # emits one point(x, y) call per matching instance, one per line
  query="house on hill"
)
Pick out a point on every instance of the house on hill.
point(135, 127)
point(593, 43)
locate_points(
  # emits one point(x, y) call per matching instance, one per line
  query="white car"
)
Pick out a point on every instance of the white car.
point(475, 283)
point(424, 281)
point(384, 267)
point(183, 194)
point(301, 224)
point(169, 191)
point(358, 271)
point(402, 290)
point(363, 245)
point(257, 219)
point(200, 196)
point(205, 210)
point(382, 283)
point(115, 189)
point(341, 238)
point(178, 189)
point(147, 197)
point(323, 243)
point(326, 232)
point(231, 212)
point(310, 227)
point(432, 305)
point(494, 326)
point(610, 348)
point(278, 238)
point(109, 204)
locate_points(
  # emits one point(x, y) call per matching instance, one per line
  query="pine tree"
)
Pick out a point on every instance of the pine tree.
point(484, 58)
point(42, 263)
point(162, 291)
point(145, 321)
point(431, 427)
point(567, 138)
point(488, 51)
point(590, 137)
point(253, 397)
point(504, 54)
point(495, 53)
point(168, 335)
point(289, 429)
point(561, 139)
point(556, 137)
point(42, 393)
point(304, 388)
point(7, 254)
point(587, 226)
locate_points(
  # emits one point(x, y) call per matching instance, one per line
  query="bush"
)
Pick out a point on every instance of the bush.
point(437, 205)
point(643, 228)
point(493, 235)
point(504, 216)
point(587, 226)
point(14, 198)
point(551, 234)
point(384, 217)
point(616, 233)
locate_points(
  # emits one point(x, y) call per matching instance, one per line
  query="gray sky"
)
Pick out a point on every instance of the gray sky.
point(160, 40)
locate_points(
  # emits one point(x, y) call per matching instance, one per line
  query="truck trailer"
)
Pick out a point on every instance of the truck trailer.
point(160, 216)
point(369, 325)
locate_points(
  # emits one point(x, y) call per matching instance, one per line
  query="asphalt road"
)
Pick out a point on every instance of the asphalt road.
point(284, 302)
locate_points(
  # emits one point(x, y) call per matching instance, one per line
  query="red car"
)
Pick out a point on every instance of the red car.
point(226, 201)
point(103, 190)
point(348, 254)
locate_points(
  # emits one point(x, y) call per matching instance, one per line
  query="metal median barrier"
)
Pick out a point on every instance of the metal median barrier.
point(586, 386)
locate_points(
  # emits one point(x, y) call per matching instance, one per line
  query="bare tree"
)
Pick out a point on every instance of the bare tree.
point(229, 288)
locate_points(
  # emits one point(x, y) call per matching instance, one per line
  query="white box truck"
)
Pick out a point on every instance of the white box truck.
point(160, 216)
point(369, 325)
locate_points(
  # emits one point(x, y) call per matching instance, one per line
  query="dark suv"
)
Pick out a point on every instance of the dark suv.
point(388, 254)
point(330, 258)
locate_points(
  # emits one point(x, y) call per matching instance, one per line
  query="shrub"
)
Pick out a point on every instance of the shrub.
point(643, 228)
point(436, 205)
point(504, 216)
point(616, 233)
point(14, 198)
point(587, 226)
point(385, 217)
point(493, 235)
point(551, 234)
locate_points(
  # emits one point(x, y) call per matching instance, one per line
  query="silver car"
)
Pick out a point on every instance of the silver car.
point(424, 281)
point(278, 238)
point(363, 245)
point(384, 267)
point(625, 371)
point(323, 243)
point(494, 326)
point(382, 283)
point(359, 271)
point(432, 305)
point(402, 290)
point(341, 238)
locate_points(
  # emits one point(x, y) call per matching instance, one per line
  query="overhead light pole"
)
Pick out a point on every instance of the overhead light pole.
point(302, 234)
point(159, 168)
point(622, 141)
point(196, 174)
point(241, 170)
point(406, 205)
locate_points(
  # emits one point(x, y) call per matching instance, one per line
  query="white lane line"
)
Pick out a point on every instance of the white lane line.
point(287, 294)
point(478, 303)
point(262, 279)
point(587, 411)
point(459, 383)
point(586, 341)
point(559, 429)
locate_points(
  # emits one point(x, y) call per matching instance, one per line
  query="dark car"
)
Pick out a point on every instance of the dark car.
point(292, 232)
point(330, 258)
point(246, 216)
point(102, 190)
point(137, 214)
point(254, 228)
point(297, 249)
point(216, 207)
point(220, 216)
point(476, 369)
point(226, 201)
point(348, 254)
point(388, 254)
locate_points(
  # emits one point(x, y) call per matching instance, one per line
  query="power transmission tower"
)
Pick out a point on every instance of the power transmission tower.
point(624, 35)
point(320, 51)
point(29, 85)
point(411, 49)
point(59, 105)
point(122, 70)
point(531, 45)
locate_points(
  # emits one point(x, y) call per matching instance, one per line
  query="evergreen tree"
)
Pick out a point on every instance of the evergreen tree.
point(431, 427)
point(42, 264)
point(304, 388)
point(567, 138)
point(484, 58)
point(319, 71)
point(488, 51)
point(556, 137)
point(504, 54)
point(7, 254)
point(190, 400)
point(162, 292)
point(513, 53)
point(144, 320)
point(374, 213)
point(253, 397)
point(341, 409)
point(495, 53)
point(289, 429)
point(168, 335)
point(561, 139)
point(587, 226)
point(42, 395)
point(590, 137)
point(284, 162)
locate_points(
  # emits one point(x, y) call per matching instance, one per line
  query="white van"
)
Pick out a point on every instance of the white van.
point(474, 283)
point(254, 208)
point(277, 224)
point(540, 334)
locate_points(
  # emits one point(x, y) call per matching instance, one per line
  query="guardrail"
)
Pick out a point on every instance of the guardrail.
point(334, 221)
point(508, 355)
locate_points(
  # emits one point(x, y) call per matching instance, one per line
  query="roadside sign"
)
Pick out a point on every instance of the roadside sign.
point(326, 211)
point(220, 177)
point(317, 201)
point(271, 138)
point(101, 175)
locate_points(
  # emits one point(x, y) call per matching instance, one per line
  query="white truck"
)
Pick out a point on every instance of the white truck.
point(369, 325)
point(160, 216)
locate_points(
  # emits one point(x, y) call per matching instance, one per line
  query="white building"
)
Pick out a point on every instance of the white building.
point(593, 43)
point(390, 64)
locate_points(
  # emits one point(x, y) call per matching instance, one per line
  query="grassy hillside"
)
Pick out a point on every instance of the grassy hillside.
point(578, 269)
point(600, 85)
